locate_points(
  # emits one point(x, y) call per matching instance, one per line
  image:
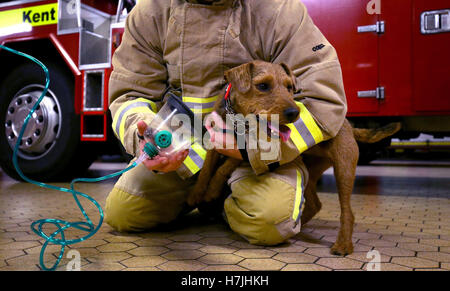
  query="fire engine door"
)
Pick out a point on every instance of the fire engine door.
point(431, 55)
point(354, 31)
point(395, 57)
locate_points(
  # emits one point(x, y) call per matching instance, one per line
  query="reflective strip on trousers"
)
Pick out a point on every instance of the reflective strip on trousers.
point(298, 198)
point(195, 159)
point(305, 132)
point(139, 105)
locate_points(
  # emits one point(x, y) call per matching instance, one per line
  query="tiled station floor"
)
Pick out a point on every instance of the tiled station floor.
point(401, 211)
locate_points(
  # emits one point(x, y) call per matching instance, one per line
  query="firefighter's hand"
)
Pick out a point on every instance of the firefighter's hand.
point(224, 143)
point(158, 163)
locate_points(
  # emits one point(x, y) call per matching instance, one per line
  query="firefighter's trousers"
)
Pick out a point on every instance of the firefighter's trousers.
point(264, 209)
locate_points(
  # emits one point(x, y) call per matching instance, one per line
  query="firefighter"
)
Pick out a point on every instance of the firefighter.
point(189, 44)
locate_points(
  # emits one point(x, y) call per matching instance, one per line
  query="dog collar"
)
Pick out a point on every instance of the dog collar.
point(228, 107)
point(240, 125)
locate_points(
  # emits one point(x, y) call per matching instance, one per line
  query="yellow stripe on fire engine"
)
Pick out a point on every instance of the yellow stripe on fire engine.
point(34, 15)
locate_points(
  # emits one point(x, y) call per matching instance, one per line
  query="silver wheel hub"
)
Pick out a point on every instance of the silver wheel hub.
point(43, 127)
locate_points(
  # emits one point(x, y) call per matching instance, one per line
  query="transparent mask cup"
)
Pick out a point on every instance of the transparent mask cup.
point(171, 130)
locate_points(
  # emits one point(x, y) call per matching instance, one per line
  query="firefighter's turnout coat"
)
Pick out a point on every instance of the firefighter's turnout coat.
point(188, 45)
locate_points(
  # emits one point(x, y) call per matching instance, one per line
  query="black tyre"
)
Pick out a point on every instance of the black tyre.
point(50, 148)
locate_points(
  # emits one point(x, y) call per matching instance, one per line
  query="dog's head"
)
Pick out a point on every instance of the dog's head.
point(264, 88)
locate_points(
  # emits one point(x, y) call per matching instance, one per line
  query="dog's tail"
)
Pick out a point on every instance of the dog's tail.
point(376, 134)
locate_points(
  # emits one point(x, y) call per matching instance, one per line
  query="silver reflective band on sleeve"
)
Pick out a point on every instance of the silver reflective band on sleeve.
point(139, 105)
point(195, 159)
point(200, 104)
point(305, 132)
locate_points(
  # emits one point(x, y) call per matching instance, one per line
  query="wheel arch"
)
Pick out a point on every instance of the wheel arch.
point(74, 156)
point(47, 50)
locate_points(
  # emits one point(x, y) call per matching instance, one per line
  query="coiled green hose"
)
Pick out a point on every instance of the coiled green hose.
point(61, 225)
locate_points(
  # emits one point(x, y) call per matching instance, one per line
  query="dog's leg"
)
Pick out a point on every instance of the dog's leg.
point(198, 192)
point(220, 178)
point(316, 166)
point(345, 159)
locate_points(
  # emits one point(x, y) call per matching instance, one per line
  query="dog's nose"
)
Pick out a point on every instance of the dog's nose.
point(291, 113)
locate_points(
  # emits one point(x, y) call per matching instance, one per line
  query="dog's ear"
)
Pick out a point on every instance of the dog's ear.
point(290, 74)
point(240, 77)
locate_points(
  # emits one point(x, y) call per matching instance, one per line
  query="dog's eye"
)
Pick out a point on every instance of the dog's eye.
point(290, 88)
point(264, 87)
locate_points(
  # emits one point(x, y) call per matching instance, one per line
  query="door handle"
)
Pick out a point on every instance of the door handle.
point(379, 28)
point(378, 93)
point(435, 21)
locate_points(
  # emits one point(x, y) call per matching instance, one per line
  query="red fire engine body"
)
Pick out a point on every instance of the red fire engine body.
point(394, 55)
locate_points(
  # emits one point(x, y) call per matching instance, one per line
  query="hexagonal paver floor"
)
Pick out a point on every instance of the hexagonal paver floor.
point(399, 232)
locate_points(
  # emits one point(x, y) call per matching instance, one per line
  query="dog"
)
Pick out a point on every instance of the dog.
point(251, 96)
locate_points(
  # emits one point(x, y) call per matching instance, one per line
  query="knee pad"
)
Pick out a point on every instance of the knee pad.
point(264, 210)
point(141, 200)
point(126, 213)
point(132, 213)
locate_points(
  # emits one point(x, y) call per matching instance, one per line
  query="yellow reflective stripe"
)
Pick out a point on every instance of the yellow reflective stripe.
point(310, 123)
point(34, 15)
point(195, 159)
point(125, 116)
point(152, 104)
point(199, 150)
point(200, 100)
point(128, 103)
point(116, 118)
point(298, 197)
point(202, 110)
point(297, 138)
point(127, 108)
point(189, 163)
point(305, 132)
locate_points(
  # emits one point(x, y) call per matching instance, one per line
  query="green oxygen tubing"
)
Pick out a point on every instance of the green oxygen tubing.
point(58, 236)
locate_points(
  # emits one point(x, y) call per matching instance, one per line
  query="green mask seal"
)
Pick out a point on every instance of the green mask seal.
point(163, 139)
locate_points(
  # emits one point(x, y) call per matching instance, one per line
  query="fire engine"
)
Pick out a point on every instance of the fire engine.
point(394, 56)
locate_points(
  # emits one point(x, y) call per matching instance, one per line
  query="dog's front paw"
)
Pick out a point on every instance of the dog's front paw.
point(342, 248)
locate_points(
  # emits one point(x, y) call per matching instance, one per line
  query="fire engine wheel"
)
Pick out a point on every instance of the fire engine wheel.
point(43, 127)
point(50, 148)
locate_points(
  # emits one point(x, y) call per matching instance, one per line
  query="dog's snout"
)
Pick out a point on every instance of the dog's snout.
point(291, 113)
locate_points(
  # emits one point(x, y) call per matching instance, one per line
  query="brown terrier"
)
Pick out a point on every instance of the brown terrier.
point(265, 88)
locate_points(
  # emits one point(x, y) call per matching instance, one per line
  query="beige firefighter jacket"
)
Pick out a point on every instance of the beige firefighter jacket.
point(184, 44)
